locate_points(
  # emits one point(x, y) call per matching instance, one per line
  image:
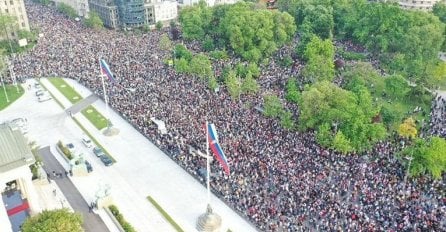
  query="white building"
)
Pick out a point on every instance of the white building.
point(81, 6)
point(419, 4)
point(15, 174)
point(15, 8)
point(165, 10)
point(209, 2)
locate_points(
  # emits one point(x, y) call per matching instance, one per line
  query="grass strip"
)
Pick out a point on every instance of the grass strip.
point(11, 91)
point(96, 118)
point(65, 89)
point(165, 215)
point(82, 127)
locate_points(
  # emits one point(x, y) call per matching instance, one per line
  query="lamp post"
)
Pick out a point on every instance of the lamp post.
point(410, 158)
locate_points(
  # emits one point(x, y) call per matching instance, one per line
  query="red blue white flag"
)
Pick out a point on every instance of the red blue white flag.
point(105, 70)
point(216, 148)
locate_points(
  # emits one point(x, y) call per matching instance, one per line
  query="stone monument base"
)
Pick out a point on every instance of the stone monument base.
point(209, 221)
point(110, 131)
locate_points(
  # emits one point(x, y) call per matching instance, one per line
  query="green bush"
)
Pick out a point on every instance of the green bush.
point(120, 218)
point(65, 150)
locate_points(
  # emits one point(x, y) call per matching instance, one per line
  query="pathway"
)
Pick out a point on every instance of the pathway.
point(84, 103)
point(92, 222)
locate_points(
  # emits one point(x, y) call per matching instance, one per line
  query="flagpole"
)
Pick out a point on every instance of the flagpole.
point(208, 165)
point(105, 94)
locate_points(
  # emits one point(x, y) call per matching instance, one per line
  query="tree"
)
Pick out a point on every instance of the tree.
point(341, 143)
point(94, 21)
point(201, 66)
point(212, 83)
point(292, 92)
point(428, 157)
point(320, 60)
point(249, 85)
point(61, 220)
point(286, 120)
point(165, 43)
point(159, 25)
point(181, 65)
point(272, 106)
point(349, 112)
point(67, 10)
point(439, 10)
point(408, 129)
point(233, 84)
point(396, 86)
point(181, 51)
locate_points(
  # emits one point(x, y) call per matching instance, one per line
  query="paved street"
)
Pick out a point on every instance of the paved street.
point(92, 222)
point(76, 108)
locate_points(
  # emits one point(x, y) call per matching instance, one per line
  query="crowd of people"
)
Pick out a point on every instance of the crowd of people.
point(280, 180)
point(437, 115)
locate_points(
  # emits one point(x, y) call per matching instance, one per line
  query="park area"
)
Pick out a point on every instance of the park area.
point(9, 94)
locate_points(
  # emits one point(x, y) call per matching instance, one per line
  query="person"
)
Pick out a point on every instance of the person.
point(54, 192)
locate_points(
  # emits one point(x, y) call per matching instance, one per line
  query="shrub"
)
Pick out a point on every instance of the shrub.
point(120, 218)
point(65, 150)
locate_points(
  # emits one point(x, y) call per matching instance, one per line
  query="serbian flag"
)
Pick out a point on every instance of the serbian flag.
point(216, 148)
point(105, 70)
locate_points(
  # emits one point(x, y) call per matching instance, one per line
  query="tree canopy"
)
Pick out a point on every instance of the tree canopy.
point(251, 33)
point(351, 112)
point(60, 220)
point(429, 157)
point(94, 21)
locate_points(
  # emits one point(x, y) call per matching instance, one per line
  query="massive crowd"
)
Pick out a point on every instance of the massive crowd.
point(280, 180)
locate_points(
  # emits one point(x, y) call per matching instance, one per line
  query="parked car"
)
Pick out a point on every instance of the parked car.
point(87, 142)
point(44, 98)
point(21, 123)
point(98, 151)
point(106, 160)
point(41, 92)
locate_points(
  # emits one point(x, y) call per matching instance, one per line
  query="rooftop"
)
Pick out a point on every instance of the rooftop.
point(14, 149)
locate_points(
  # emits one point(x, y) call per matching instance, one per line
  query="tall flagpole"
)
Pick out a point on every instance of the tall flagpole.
point(105, 94)
point(208, 165)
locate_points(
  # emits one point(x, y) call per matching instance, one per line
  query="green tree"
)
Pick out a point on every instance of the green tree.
point(439, 10)
point(324, 135)
point(180, 51)
point(272, 106)
point(249, 85)
point(61, 220)
point(201, 66)
point(165, 43)
point(233, 84)
point(159, 25)
point(67, 10)
point(428, 157)
point(349, 112)
point(320, 60)
point(286, 120)
point(397, 86)
point(292, 92)
point(181, 65)
point(341, 143)
point(94, 21)
point(212, 83)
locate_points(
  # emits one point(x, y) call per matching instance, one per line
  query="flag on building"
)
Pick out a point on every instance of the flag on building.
point(216, 148)
point(105, 70)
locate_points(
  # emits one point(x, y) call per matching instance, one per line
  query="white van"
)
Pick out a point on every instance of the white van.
point(87, 142)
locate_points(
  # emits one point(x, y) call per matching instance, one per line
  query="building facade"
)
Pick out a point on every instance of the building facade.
point(209, 2)
point(80, 6)
point(17, 9)
point(107, 11)
point(134, 13)
point(15, 177)
point(425, 5)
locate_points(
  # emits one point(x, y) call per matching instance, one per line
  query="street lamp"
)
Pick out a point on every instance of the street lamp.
point(410, 158)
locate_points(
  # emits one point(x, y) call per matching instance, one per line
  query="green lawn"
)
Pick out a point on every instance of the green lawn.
point(66, 89)
point(165, 214)
point(96, 118)
point(11, 91)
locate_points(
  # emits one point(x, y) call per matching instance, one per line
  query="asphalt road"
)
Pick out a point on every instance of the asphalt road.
point(92, 222)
